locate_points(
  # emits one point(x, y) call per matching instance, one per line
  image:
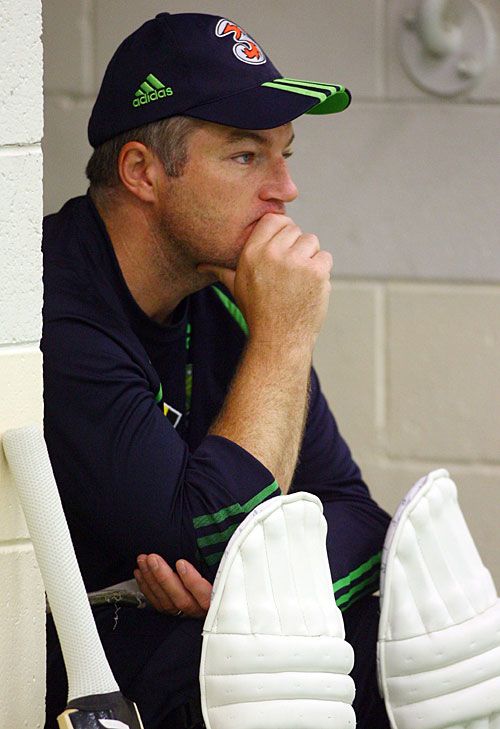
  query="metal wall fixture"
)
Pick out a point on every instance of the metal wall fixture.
point(446, 46)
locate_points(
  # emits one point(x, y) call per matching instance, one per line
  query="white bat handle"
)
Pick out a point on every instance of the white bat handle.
point(86, 664)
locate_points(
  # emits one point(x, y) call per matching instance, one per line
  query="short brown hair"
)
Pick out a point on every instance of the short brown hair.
point(167, 138)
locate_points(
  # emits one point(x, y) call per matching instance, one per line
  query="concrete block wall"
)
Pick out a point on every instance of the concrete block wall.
point(403, 188)
point(22, 603)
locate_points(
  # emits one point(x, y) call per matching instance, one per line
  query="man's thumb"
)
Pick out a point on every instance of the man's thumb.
point(225, 275)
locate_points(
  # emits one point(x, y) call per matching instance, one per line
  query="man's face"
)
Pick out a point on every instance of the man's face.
point(231, 179)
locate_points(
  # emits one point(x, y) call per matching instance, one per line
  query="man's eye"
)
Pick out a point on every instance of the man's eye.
point(287, 155)
point(245, 158)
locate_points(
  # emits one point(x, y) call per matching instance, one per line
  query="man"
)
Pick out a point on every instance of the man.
point(181, 310)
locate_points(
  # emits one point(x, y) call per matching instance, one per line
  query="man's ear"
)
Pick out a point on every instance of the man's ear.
point(140, 171)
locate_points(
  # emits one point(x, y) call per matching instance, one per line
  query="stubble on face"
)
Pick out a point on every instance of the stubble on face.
point(208, 213)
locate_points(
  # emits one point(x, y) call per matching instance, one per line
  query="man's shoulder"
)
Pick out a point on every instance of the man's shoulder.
point(63, 227)
point(78, 272)
point(62, 235)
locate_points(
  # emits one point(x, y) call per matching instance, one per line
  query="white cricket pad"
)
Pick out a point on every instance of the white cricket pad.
point(86, 664)
point(439, 633)
point(274, 653)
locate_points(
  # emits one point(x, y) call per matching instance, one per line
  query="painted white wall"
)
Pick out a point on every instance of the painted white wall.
point(402, 187)
point(22, 603)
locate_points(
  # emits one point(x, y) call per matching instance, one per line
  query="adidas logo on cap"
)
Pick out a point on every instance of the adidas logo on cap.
point(151, 89)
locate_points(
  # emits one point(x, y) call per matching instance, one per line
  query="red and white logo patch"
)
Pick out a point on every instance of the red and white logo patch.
point(245, 49)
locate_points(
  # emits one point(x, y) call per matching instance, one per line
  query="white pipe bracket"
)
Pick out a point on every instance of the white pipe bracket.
point(446, 46)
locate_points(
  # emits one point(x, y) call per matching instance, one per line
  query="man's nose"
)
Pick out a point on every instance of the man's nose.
point(279, 185)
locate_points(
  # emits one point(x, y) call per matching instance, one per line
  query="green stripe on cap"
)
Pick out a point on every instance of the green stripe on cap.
point(296, 90)
point(333, 88)
point(332, 98)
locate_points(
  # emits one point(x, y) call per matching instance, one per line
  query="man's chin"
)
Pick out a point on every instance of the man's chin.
point(237, 248)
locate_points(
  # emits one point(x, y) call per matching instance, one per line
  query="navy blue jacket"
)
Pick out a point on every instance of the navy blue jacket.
point(128, 405)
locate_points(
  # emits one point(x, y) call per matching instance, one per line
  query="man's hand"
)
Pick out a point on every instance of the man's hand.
point(184, 591)
point(281, 284)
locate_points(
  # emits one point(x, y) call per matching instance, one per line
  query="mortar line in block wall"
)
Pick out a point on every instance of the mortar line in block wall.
point(380, 364)
point(380, 36)
point(488, 465)
point(20, 150)
point(22, 544)
point(8, 348)
point(87, 28)
point(441, 285)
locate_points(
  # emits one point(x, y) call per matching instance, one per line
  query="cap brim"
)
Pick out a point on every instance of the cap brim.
point(274, 103)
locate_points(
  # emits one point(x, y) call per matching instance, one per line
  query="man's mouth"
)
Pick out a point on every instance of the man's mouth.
point(266, 212)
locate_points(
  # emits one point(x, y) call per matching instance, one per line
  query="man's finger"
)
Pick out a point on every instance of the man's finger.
point(170, 583)
point(285, 238)
point(306, 245)
point(267, 227)
point(157, 595)
point(148, 594)
point(198, 586)
point(324, 259)
point(167, 587)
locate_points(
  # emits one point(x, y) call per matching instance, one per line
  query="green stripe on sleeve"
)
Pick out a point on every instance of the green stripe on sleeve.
point(218, 516)
point(217, 537)
point(345, 601)
point(358, 572)
point(213, 558)
point(207, 519)
point(256, 500)
point(233, 310)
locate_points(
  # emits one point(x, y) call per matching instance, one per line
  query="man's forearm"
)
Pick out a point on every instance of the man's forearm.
point(282, 286)
point(264, 411)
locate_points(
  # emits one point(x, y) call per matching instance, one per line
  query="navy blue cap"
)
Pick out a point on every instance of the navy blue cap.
point(206, 67)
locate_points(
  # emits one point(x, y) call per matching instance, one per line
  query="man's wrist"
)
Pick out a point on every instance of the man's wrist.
point(295, 347)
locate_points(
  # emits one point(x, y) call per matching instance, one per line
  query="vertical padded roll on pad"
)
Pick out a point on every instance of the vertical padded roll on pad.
point(86, 664)
point(274, 653)
point(439, 633)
